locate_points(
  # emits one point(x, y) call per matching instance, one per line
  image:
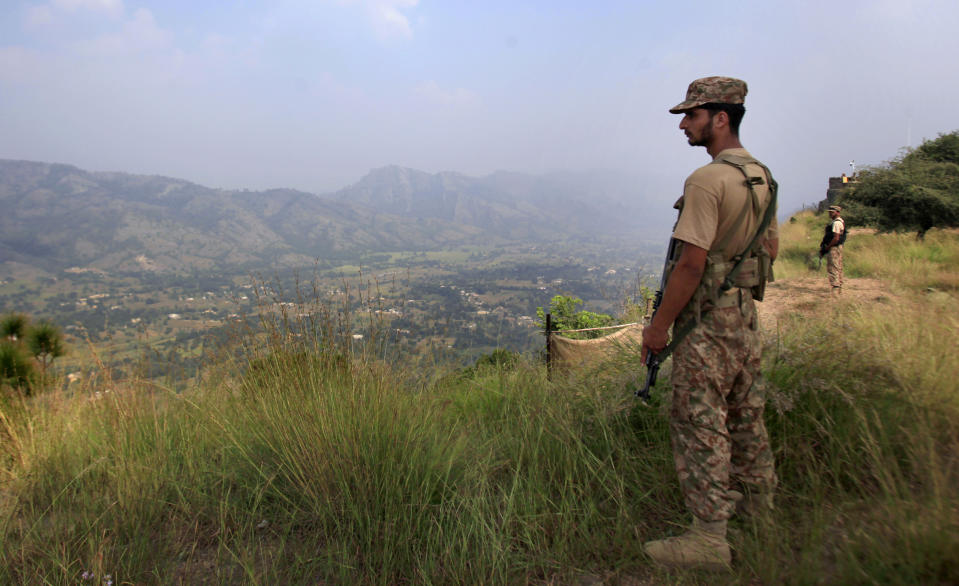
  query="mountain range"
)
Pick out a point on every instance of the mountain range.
point(57, 216)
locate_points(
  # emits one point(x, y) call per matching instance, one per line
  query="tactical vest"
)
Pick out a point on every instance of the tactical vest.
point(748, 269)
point(828, 236)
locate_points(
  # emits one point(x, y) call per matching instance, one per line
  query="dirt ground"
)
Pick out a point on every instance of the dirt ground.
point(809, 294)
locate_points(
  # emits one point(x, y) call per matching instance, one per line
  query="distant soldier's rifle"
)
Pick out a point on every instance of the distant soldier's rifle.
point(823, 251)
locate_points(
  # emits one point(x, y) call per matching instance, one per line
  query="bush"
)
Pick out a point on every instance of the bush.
point(564, 316)
point(14, 326)
point(20, 342)
point(499, 359)
point(16, 368)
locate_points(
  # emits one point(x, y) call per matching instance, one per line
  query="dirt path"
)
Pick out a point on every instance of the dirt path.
point(807, 295)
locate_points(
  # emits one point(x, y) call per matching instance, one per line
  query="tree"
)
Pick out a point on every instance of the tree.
point(564, 316)
point(45, 342)
point(918, 191)
point(16, 368)
point(19, 340)
point(944, 149)
point(13, 326)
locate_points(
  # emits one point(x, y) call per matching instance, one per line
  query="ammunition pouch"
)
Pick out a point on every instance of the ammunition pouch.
point(753, 275)
point(748, 276)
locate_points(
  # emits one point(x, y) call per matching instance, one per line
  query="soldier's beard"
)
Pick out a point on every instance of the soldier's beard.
point(704, 137)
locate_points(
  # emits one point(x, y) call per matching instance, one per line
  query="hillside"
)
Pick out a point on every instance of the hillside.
point(58, 216)
point(308, 459)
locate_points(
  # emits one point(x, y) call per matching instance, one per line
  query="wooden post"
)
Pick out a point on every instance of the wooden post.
point(549, 329)
point(649, 311)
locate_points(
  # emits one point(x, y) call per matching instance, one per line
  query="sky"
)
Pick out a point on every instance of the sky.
point(313, 94)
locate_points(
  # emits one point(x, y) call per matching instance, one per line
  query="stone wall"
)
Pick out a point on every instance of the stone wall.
point(833, 193)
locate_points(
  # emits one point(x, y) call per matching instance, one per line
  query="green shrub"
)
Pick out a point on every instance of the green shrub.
point(564, 316)
point(14, 326)
point(16, 366)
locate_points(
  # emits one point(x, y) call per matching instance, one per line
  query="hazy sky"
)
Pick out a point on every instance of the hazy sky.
point(312, 94)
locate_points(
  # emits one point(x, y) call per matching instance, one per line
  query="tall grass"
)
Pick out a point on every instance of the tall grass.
point(302, 458)
point(866, 430)
point(305, 470)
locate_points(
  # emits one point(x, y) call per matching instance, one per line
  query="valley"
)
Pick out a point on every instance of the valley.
point(460, 303)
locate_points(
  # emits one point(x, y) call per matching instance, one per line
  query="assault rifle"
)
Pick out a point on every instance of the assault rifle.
point(653, 360)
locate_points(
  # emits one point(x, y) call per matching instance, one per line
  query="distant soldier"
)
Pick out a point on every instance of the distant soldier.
point(831, 248)
point(726, 222)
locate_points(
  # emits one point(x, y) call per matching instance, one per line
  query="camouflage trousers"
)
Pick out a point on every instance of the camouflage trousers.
point(834, 266)
point(716, 418)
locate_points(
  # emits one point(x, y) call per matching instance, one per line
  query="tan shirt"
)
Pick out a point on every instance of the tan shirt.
point(838, 226)
point(712, 199)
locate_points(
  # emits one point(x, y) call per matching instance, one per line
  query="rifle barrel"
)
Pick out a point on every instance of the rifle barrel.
point(652, 361)
point(652, 370)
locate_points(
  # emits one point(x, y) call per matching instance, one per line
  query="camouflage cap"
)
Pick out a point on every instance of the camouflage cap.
point(836, 209)
point(712, 90)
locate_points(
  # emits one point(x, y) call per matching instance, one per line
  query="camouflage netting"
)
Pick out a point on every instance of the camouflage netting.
point(566, 353)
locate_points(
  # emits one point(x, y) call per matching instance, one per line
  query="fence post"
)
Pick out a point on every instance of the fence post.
point(549, 329)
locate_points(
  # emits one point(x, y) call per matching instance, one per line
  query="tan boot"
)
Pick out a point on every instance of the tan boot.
point(703, 547)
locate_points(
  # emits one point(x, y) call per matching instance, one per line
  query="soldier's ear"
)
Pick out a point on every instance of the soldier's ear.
point(721, 119)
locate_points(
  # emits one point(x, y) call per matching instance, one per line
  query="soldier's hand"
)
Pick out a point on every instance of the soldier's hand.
point(654, 340)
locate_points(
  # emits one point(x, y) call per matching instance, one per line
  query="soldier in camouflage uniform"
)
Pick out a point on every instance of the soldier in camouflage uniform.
point(833, 249)
point(720, 445)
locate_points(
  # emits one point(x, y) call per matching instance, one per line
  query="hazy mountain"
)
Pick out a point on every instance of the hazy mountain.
point(56, 216)
point(509, 204)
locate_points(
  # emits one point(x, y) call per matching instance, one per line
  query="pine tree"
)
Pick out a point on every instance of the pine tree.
point(13, 326)
point(45, 342)
point(16, 368)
